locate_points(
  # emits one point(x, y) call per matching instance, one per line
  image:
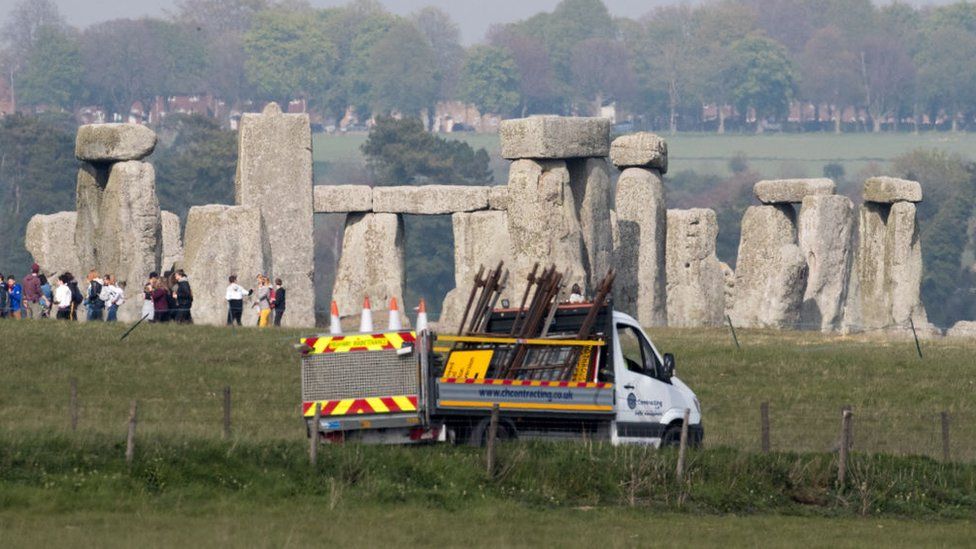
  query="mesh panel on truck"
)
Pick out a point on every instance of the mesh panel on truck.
point(334, 376)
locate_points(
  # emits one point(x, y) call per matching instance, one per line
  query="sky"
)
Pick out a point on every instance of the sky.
point(472, 16)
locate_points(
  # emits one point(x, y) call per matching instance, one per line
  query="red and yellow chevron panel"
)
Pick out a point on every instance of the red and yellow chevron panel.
point(355, 406)
point(530, 383)
point(357, 342)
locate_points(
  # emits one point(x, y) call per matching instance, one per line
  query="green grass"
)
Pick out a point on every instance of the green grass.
point(189, 486)
point(772, 155)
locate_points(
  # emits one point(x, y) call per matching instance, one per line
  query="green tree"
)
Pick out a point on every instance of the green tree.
point(716, 30)
point(20, 34)
point(195, 163)
point(37, 175)
point(763, 78)
point(54, 70)
point(290, 55)
point(669, 54)
point(947, 47)
point(490, 80)
point(402, 73)
point(443, 37)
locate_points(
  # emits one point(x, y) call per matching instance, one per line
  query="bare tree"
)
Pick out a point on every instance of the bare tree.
point(20, 35)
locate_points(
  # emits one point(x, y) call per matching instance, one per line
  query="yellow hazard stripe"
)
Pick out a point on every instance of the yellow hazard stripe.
point(527, 406)
point(512, 341)
point(404, 403)
point(342, 407)
point(377, 405)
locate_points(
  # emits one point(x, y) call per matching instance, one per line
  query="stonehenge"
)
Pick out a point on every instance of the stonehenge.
point(807, 257)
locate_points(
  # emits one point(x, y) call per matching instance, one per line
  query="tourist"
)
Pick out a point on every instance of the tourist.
point(96, 307)
point(235, 300)
point(32, 293)
point(147, 303)
point(263, 303)
point(113, 297)
point(169, 277)
point(77, 298)
point(279, 302)
point(4, 297)
point(576, 294)
point(62, 298)
point(47, 296)
point(160, 298)
point(184, 298)
point(15, 297)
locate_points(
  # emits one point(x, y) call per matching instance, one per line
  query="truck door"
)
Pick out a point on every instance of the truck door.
point(642, 398)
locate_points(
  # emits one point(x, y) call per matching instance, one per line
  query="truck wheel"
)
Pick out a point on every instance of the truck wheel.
point(671, 437)
point(479, 434)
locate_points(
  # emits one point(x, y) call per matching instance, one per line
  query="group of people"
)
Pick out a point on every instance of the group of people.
point(168, 298)
point(267, 299)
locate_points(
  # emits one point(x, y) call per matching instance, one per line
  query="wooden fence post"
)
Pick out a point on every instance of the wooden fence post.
point(313, 440)
point(945, 436)
point(73, 403)
point(490, 442)
point(764, 418)
point(130, 442)
point(682, 446)
point(227, 412)
point(845, 444)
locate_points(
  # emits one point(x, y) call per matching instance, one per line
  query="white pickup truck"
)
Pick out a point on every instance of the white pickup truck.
point(399, 387)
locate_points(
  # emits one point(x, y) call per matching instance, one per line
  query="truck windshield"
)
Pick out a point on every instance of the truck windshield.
point(638, 355)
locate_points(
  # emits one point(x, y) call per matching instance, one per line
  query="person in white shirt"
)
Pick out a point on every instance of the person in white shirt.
point(576, 295)
point(113, 296)
point(62, 299)
point(235, 301)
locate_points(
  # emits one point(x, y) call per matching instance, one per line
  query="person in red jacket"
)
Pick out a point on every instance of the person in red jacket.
point(160, 299)
point(32, 293)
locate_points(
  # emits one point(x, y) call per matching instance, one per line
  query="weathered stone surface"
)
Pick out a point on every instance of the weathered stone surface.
point(274, 173)
point(695, 277)
point(128, 237)
point(542, 221)
point(891, 189)
point(728, 277)
point(889, 267)
point(480, 238)
point(784, 191)
point(222, 241)
point(827, 238)
point(771, 270)
point(343, 198)
point(172, 256)
point(554, 137)
point(430, 199)
point(371, 263)
point(963, 328)
point(88, 204)
point(498, 198)
point(640, 150)
point(114, 142)
point(50, 240)
point(593, 191)
point(640, 289)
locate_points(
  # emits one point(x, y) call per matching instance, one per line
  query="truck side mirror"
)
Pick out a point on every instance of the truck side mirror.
point(668, 365)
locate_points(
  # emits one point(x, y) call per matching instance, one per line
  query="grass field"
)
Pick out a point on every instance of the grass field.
point(189, 486)
point(772, 155)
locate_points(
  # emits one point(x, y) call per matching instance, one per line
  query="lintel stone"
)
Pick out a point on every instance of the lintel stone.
point(430, 199)
point(555, 137)
point(791, 191)
point(889, 190)
point(343, 198)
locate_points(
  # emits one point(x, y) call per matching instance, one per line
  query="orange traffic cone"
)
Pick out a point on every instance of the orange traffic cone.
point(421, 316)
point(366, 319)
point(335, 327)
point(394, 322)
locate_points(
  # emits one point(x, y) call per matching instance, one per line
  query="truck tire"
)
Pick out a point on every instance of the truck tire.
point(479, 434)
point(672, 436)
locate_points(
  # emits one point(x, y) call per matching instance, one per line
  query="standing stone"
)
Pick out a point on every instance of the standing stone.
point(593, 191)
point(695, 278)
point(728, 277)
point(222, 241)
point(480, 238)
point(101, 143)
point(50, 240)
point(771, 270)
point(640, 288)
point(371, 263)
point(905, 266)
point(827, 239)
point(872, 285)
point(963, 328)
point(172, 256)
point(542, 221)
point(128, 237)
point(274, 174)
point(88, 203)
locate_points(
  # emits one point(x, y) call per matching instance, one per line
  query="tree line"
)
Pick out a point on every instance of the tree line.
point(724, 63)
